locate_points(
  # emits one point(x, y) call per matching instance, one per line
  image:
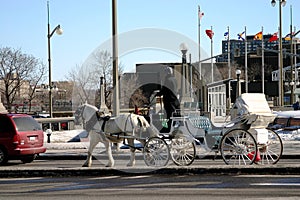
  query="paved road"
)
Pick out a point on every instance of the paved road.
point(71, 166)
point(61, 160)
point(121, 160)
point(160, 187)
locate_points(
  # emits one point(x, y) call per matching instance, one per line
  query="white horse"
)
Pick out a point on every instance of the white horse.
point(113, 130)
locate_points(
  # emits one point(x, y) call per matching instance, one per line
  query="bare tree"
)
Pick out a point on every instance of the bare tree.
point(34, 79)
point(131, 93)
point(103, 68)
point(83, 88)
point(16, 69)
point(87, 78)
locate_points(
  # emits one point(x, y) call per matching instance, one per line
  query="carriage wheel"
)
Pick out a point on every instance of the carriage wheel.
point(156, 152)
point(183, 151)
point(270, 152)
point(238, 147)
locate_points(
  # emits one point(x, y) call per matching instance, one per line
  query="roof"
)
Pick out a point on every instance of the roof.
point(252, 103)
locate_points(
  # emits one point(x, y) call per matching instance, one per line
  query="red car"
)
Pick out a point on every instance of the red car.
point(21, 137)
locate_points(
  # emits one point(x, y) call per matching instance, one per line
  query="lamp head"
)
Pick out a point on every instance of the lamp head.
point(273, 2)
point(283, 2)
point(183, 48)
point(59, 30)
point(238, 72)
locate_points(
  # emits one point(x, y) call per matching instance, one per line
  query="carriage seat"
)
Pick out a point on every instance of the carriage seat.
point(200, 122)
point(203, 122)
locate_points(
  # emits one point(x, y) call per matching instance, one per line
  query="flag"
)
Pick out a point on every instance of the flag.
point(200, 13)
point(241, 36)
point(258, 36)
point(288, 36)
point(274, 37)
point(226, 35)
point(209, 33)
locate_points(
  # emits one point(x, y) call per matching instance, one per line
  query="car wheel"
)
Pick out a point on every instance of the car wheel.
point(28, 159)
point(3, 156)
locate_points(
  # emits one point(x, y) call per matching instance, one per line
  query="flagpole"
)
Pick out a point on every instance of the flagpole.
point(262, 61)
point(280, 86)
point(199, 41)
point(211, 64)
point(281, 58)
point(228, 54)
point(246, 62)
point(292, 65)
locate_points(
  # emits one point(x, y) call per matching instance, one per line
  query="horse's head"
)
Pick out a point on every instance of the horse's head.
point(84, 112)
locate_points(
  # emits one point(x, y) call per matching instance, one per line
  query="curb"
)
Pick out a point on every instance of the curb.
point(206, 170)
point(82, 156)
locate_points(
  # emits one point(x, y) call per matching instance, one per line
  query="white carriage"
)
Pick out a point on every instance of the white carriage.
point(243, 141)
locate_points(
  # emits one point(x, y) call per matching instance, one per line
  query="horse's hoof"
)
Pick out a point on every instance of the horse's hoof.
point(130, 165)
point(109, 165)
point(85, 165)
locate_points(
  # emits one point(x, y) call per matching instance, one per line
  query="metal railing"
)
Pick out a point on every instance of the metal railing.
point(57, 124)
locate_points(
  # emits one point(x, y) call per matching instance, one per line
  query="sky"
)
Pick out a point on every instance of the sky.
point(143, 27)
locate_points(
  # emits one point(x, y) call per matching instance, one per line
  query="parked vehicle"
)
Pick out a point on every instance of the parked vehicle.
point(21, 137)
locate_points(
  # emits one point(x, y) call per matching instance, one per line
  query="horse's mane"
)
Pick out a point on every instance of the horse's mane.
point(90, 106)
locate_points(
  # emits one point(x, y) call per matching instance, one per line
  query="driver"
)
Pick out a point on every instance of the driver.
point(169, 92)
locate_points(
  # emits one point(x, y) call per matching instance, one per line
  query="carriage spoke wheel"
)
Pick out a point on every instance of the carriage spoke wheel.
point(183, 151)
point(238, 147)
point(270, 152)
point(156, 152)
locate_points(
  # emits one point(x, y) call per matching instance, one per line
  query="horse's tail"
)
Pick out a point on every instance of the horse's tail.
point(142, 122)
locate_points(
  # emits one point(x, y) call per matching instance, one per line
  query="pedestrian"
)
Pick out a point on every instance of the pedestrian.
point(296, 105)
point(169, 92)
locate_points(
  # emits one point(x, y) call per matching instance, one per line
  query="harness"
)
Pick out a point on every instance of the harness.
point(95, 118)
point(106, 118)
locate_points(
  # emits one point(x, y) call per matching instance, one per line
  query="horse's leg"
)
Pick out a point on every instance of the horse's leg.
point(94, 140)
point(107, 144)
point(132, 153)
point(116, 146)
point(111, 161)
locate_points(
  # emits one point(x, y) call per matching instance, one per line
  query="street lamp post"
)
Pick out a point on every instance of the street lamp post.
point(281, 91)
point(116, 106)
point(183, 48)
point(58, 31)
